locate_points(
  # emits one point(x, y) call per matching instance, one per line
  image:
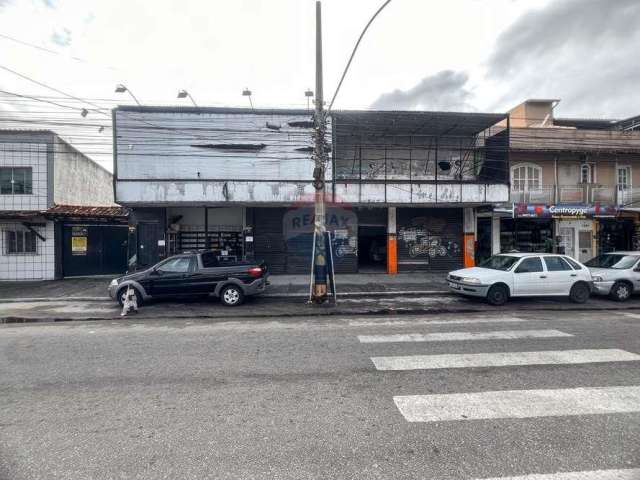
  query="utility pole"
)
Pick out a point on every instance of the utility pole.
point(319, 285)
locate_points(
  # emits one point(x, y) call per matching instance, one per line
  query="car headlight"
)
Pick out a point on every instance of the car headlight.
point(597, 278)
point(475, 281)
point(114, 282)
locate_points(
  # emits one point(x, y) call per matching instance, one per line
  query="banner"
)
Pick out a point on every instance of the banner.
point(569, 211)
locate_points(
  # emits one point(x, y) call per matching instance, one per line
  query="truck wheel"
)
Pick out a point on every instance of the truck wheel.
point(231, 296)
point(621, 291)
point(123, 292)
point(579, 293)
point(497, 295)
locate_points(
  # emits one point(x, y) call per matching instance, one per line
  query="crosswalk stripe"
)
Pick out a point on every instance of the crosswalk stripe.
point(626, 474)
point(501, 359)
point(460, 336)
point(463, 321)
point(518, 404)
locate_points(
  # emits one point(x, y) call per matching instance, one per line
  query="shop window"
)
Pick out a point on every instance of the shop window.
point(16, 181)
point(526, 177)
point(17, 242)
point(556, 264)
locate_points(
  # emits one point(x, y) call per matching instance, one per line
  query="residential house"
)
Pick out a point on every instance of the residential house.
point(57, 215)
point(573, 185)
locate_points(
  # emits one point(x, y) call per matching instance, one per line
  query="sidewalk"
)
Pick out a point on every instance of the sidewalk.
point(281, 286)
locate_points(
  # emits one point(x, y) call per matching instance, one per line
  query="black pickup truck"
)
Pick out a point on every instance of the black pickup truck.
point(194, 274)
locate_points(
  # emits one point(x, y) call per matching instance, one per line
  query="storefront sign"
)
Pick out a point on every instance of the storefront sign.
point(78, 245)
point(79, 235)
point(569, 211)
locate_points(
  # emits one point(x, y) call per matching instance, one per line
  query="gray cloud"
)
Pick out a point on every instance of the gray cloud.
point(62, 38)
point(444, 90)
point(582, 51)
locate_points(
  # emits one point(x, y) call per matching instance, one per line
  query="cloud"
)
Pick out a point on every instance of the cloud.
point(582, 51)
point(63, 38)
point(444, 90)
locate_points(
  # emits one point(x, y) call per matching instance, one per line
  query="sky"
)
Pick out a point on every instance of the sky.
point(458, 55)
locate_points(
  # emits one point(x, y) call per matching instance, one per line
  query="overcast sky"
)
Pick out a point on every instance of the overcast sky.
point(473, 55)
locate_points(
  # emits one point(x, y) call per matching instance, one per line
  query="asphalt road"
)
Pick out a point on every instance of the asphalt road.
point(308, 398)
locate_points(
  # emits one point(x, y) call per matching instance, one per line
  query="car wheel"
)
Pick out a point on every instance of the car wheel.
point(621, 291)
point(579, 293)
point(231, 295)
point(498, 295)
point(122, 293)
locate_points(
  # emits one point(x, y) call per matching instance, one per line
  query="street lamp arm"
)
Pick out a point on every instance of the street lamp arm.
point(354, 52)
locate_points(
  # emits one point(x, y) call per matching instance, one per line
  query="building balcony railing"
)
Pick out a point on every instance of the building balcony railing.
point(579, 193)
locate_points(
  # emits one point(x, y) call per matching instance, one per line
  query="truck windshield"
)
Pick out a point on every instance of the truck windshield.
point(612, 260)
point(499, 262)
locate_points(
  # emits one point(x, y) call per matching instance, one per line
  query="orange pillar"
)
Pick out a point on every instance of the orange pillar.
point(469, 250)
point(469, 237)
point(392, 254)
point(392, 242)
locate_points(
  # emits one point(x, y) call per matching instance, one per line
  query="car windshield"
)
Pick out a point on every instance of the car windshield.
point(611, 260)
point(499, 262)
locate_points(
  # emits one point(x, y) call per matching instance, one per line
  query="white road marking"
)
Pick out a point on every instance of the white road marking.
point(464, 321)
point(460, 336)
point(518, 404)
point(501, 359)
point(635, 316)
point(627, 474)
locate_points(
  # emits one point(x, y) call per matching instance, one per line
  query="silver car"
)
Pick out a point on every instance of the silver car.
point(616, 274)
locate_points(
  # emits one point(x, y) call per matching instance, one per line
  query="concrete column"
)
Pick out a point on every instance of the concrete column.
point(495, 235)
point(469, 248)
point(392, 242)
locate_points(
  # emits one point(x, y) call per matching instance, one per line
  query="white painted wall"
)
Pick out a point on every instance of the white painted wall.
point(78, 180)
point(32, 155)
point(38, 266)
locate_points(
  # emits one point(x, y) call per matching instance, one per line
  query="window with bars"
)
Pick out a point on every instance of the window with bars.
point(19, 242)
point(16, 181)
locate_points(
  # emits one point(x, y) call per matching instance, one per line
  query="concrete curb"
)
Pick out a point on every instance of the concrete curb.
point(314, 313)
point(264, 295)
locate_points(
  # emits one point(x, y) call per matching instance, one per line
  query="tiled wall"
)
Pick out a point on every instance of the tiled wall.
point(28, 266)
point(32, 155)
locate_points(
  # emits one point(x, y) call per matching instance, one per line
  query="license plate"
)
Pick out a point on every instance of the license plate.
point(455, 286)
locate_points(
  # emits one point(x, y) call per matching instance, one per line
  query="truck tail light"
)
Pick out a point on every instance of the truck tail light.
point(255, 272)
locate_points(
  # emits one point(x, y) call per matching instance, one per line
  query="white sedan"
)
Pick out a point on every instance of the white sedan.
point(523, 275)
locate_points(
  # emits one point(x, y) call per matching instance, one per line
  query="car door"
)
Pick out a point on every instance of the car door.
point(529, 277)
point(635, 276)
point(560, 276)
point(206, 274)
point(170, 277)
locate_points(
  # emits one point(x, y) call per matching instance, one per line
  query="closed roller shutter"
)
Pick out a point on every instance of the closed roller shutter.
point(429, 239)
point(268, 238)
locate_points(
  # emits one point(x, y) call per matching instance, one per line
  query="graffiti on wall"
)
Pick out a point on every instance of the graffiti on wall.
point(423, 243)
point(426, 238)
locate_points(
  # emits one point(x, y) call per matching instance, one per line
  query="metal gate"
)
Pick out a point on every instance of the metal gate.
point(430, 239)
point(148, 236)
point(94, 249)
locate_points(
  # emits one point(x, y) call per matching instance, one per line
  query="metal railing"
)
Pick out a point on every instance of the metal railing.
point(578, 193)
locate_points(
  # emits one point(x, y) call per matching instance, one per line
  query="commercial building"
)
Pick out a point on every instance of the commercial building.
point(403, 188)
point(57, 216)
point(573, 185)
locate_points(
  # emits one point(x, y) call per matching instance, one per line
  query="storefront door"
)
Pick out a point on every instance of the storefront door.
point(577, 239)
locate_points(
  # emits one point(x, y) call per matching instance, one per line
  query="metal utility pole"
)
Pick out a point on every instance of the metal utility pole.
point(319, 282)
